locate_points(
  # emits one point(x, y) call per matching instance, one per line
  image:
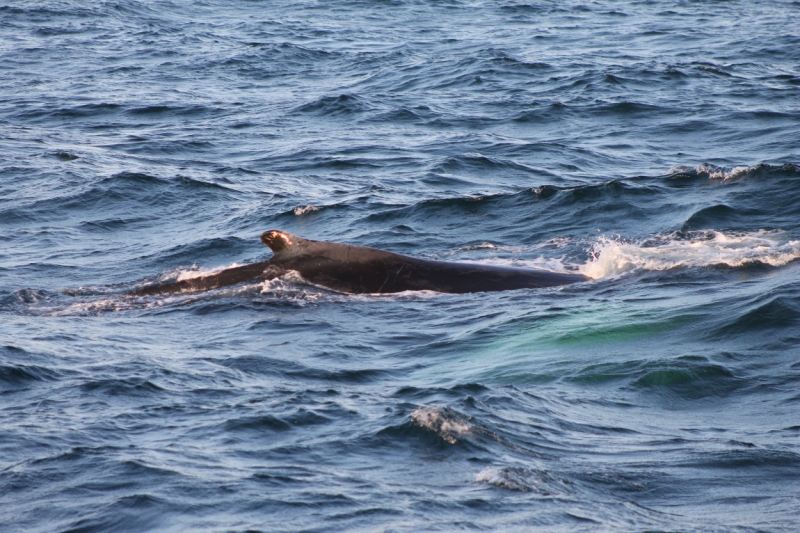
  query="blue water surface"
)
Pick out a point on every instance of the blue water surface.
point(653, 146)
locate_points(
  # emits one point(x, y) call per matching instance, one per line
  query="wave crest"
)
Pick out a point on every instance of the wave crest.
point(614, 256)
point(447, 423)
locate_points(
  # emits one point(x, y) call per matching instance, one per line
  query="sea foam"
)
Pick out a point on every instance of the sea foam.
point(615, 256)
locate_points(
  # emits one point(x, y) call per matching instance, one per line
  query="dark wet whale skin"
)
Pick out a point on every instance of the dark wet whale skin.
point(359, 269)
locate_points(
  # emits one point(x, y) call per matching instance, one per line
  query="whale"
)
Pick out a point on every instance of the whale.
point(355, 269)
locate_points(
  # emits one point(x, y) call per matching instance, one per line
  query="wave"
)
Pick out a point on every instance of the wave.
point(449, 424)
point(615, 256)
point(300, 211)
point(714, 172)
point(341, 105)
point(126, 194)
point(518, 479)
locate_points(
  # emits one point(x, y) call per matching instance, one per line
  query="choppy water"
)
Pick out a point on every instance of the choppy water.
point(651, 145)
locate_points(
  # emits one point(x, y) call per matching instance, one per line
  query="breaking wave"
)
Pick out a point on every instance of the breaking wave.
point(517, 479)
point(445, 422)
point(615, 256)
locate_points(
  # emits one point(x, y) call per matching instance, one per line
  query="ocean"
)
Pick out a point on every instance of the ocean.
point(652, 146)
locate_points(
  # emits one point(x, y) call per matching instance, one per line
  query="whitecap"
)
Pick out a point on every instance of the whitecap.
point(720, 173)
point(447, 423)
point(300, 211)
point(615, 256)
point(516, 478)
point(714, 172)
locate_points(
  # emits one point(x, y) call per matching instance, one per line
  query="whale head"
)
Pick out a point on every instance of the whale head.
point(279, 241)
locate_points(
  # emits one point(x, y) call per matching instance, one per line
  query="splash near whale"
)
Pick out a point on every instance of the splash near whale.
point(359, 269)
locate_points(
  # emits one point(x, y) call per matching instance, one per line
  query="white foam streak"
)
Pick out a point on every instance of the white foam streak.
point(611, 257)
point(715, 172)
point(448, 424)
point(198, 272)
point(516, 478)
point(300, 211)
